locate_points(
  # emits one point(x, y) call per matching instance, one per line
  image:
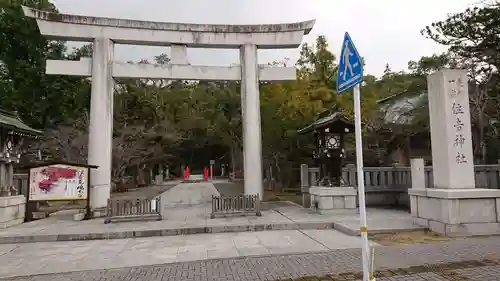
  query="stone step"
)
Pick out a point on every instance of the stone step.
point(161, 232)
point(350, 228)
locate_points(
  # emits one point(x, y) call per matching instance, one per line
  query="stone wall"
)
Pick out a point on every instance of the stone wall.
point(12, 210)
point(457, 213)
point(326, 199)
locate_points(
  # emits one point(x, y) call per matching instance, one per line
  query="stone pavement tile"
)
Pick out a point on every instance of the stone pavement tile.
point(302, 215)
point(288, 241)
point(333, 239)
point(219, 253)
point(378, 220)
point(245, 239)
point(210, 239)
point(6, 248)
point(12, 268)
point(269, 217)
point(192, 252)
point(377, 225)
point(75, 248)
point(56, 257)
point(488, 273)
point(253, 251)
point(155, 243)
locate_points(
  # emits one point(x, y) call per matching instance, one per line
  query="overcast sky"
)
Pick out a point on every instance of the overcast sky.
point(384, 31)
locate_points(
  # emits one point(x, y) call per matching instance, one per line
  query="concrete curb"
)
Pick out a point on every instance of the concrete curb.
point(190, 230)
point(357, 232)
point(161, 232)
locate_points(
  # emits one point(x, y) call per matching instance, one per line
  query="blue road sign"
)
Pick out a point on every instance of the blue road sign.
point(350, 71)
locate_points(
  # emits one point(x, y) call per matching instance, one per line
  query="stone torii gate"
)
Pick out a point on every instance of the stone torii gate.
point(105, 32)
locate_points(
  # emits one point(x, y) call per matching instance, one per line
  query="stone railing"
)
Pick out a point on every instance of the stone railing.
point(20, 182)
point(389, 185)
point(486, 176)
point(18, 186)
point(383, 185)
point(378, 179)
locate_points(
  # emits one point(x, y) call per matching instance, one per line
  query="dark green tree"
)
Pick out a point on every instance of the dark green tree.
point(40, 99)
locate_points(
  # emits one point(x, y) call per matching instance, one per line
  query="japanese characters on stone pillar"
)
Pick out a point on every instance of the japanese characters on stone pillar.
point(451, 139)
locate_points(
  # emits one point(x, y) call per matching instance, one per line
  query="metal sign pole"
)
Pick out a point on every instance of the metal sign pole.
point(350, 75)
point(361, 186)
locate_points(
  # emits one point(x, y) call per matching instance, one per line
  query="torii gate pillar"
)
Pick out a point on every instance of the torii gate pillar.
point(252, 136)
point(101, 122)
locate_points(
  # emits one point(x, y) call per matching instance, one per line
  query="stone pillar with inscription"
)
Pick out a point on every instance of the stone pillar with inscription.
point(453, 206)
point(451, 138)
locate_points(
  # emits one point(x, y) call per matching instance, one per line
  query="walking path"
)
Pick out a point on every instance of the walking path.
point(195, 220)
point(464, 259)
point(186, 210)
point(150, 191)
point(287, 241)
point(53, 257)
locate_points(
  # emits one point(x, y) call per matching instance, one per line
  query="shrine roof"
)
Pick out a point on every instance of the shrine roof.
point(11, 121)
point(325, 121)
point(399, 108)
point(55, 162)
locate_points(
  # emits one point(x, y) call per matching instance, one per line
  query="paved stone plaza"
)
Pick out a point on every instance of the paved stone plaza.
point(196, 219)
point(54, 257)
point(464, 259)
point(181, 214)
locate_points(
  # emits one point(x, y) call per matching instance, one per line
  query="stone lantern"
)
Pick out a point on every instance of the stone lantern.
point(331, 192)
point(329, 132)
point(12, 133)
